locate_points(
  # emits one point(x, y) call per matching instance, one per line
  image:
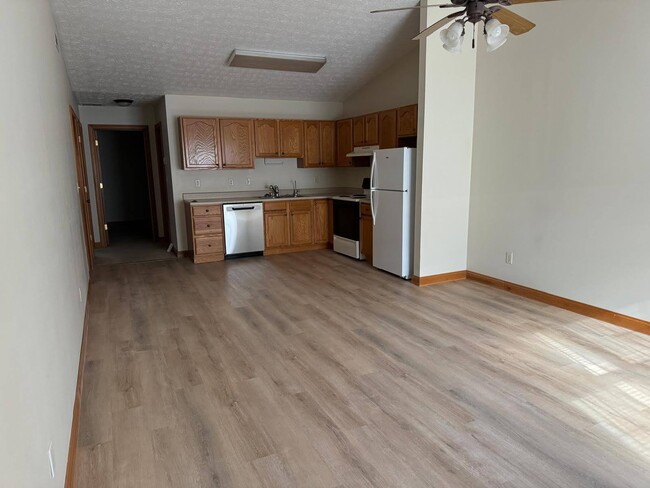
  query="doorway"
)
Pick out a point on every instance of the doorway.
point(124, 185)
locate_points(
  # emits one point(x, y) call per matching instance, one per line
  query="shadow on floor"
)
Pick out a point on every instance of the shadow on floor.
point(130, 242)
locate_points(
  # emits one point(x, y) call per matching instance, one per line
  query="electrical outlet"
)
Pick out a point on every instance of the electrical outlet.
point(81, 297)
point(197, 183)
point(231, 181)
point(248, 181)
point(50, 457)
point(510, 257)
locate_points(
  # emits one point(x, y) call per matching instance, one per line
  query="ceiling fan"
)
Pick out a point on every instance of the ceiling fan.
point(499, 22)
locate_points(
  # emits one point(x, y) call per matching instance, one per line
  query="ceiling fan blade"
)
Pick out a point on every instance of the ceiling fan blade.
point(438, 25)
point(419, 7)
point(518, 24)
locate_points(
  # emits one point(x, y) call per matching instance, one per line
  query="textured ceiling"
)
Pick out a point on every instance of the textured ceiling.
point(143, 49)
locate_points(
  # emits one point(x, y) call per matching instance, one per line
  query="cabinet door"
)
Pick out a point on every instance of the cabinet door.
point(388, 129)
point(237, 143)
point(328, 143)
point(200, 141)
point(291, 138)
point(321, 221)
point(276, 230)
point(300, 227)
point(371, 129)
point(407, 121)
point(366, 237)
point(312, 157)
point(343, 142)
point(359, 131)
point(266, 138)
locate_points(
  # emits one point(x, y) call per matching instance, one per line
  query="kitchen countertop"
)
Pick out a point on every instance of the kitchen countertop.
point(226, 199)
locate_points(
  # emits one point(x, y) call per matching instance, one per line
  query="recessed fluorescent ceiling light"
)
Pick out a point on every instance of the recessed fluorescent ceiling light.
point(276, 61)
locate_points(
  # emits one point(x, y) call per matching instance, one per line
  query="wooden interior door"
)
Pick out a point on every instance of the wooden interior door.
point(267, 143)
point(343, 142)
point(312, 156)
point(291, 138)
point(82, 188)
point(237, 143)
point(388, 129)
point(371, 128)
point(328, 143)
point(162, 182)
point(200, 140)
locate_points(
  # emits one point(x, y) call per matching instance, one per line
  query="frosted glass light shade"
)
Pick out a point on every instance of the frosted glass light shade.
point(452, 37)
point(496, 34)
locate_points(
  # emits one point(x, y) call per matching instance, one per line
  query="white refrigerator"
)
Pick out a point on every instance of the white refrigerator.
point(392, 200)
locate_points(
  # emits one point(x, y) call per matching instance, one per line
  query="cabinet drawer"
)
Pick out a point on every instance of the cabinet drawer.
point(275, 206)
point(208, 225)
point(208, 245)
point(301, 205)
point(206, 210)
point(365, 210)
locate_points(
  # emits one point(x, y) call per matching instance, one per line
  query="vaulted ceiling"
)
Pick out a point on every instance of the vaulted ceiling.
point(143, 49)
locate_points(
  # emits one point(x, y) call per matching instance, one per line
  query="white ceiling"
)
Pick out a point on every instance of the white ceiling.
point(143, 49)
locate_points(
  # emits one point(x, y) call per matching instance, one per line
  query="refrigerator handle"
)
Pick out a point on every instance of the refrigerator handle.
point(372, 207)
point(372, 172)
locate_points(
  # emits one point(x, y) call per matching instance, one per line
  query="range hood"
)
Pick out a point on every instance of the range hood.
point(362, 152)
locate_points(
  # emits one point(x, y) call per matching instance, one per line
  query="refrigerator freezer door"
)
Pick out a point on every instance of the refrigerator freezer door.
point(392, 169)
point(392, 232)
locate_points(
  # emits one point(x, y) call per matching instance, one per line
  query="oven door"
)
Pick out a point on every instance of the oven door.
point(347, 217)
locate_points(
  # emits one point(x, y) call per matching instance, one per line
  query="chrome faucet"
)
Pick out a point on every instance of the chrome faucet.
point(296, 192)
point(274, 191)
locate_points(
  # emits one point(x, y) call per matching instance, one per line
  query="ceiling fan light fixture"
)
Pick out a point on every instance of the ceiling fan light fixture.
point(496, 34)
point(453, 37)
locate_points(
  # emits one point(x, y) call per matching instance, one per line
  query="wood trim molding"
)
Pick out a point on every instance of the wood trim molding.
point(438, 279)
point(615, 318)
point(76, 410)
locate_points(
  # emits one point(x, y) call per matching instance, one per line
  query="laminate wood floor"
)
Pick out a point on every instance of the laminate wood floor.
point(313, 370)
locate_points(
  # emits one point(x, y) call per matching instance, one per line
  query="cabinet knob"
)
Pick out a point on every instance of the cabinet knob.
point(207, 210)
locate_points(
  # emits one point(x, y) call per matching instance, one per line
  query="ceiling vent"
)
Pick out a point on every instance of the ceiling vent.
point(276, 61)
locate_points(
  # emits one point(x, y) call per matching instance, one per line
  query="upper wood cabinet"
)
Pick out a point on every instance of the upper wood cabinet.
point(387, 129)
point(267, 140)
point(359, 131)
point(328, 143)
point(344, 142)
point(407, 121)
point(319, 144)
point(371, 124)
point(200, 142)
point(291, 138)
point(237, 143)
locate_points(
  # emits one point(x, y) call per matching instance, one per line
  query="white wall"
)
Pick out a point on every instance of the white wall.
point(446, 113)
point(43, 266)
point(263, 175)
point(137, 115)
point(560, 172)
point(397, 86)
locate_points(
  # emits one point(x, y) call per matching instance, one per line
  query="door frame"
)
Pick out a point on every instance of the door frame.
point(97, 176)
point(162, 182)
point(82, 187)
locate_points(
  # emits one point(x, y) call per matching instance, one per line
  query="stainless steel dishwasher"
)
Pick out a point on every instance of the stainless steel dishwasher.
point(244, 228)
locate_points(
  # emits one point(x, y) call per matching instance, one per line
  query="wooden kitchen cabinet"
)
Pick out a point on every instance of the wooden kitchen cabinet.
point(267, 140)
point(237, 143)
point(407, 121)
point(200, 142)
point(319, 144)
point(300, 223)
point(321, 221)
point(359, 131)
point(344, 142)
point(387, 129)
point(276, 226)
point(371, 129)
point(291, 138)
point(366, 231)
point(205, 233)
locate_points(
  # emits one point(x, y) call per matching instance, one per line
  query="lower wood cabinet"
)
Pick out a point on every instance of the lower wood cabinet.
point(205, 232)
point(366, 231)
point(293, 226)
